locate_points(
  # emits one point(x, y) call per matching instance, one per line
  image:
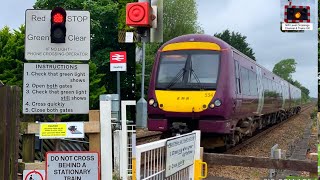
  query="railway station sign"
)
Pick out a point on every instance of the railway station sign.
point(118, 61)
point(53, 130)
point(180, 153)
point(38, 44)
point(55, 88)
point(72, 166)
point(34, 175)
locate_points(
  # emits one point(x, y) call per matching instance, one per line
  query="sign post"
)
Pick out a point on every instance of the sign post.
point(118, 62)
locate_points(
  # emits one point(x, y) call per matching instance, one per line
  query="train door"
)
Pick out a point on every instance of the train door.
point(238, 100)
point(260, 90)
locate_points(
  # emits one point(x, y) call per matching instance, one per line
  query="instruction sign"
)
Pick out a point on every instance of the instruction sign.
point(54, 130)
point(34, 175)
point(72, 166)
point(38, 44)
point(55, 88)
point(180, 153)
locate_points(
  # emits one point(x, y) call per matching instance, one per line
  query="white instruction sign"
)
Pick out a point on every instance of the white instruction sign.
point(180, 153)
point(72, 166)
point(55, 88)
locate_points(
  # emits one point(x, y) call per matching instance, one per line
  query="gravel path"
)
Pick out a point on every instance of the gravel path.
point(284, 136)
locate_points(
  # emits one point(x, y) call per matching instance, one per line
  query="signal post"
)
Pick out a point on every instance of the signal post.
point(146, 16)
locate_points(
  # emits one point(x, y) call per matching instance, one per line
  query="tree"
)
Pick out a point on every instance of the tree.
point(237, 41)
point(179, 18)
point(285, 68)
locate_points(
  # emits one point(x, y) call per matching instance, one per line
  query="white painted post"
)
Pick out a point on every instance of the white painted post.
point(105, 140)
point(124, 140)
point(116, 150)
point(196, 153)
point(272, 172)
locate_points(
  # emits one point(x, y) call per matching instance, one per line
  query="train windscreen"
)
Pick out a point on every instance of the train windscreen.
point(197, 69)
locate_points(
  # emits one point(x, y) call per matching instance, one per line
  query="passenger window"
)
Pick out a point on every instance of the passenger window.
point(236, 64)
point(245, 81)
point(253, 83)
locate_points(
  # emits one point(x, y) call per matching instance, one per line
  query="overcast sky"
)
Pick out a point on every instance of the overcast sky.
point(12, 12)
point(259, 20)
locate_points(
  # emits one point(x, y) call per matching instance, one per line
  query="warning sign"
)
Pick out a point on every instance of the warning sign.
point(61, 130)
point(72, 166)
point(34, 175)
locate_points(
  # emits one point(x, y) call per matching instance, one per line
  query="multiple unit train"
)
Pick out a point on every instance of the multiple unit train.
point(200, 82)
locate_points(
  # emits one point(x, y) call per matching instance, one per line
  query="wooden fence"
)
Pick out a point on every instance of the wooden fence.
point(9, 131)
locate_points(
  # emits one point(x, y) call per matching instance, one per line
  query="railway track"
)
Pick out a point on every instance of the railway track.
point(156, 135)
point(149, 137)
point(262, 133)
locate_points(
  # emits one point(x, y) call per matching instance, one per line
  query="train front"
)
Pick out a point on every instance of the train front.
point(187, 89)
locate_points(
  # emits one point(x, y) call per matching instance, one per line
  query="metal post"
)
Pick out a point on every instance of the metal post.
point(118, 92)
point(143, 68)
point(156, 34)
point(141, 118)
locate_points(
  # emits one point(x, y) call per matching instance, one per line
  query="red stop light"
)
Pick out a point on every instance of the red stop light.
point(139, 14)
point(58, 26)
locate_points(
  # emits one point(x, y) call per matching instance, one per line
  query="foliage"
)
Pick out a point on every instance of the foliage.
point(179, 18)
point(175, 23)
point(285, 68)
point(237, 41)
point(11, 56)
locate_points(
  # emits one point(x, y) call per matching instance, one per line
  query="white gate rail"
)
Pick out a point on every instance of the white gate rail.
point(150, 162)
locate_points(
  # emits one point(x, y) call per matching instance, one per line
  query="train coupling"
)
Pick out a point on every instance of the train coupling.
point(179, 128)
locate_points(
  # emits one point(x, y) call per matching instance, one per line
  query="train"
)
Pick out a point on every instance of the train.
point(200, 82)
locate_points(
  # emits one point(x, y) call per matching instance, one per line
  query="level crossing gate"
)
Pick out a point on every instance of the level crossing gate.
point(175, 158)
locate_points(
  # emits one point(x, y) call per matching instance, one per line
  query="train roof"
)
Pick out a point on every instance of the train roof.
point(220, 42)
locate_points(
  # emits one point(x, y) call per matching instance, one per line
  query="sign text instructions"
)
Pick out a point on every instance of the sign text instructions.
point(55, 88)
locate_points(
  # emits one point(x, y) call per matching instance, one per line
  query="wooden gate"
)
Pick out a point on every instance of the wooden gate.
point(9, 131)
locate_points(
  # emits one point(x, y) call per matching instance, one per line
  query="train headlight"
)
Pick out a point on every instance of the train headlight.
point(211, 105)
point(217, 102)
point(155, 104)
point(151, 101)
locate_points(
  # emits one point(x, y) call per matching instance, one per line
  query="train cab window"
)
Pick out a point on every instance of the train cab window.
point(245, 81)
point(170, 65)
point(253, 83)
point(237, 75)
point(206, 68)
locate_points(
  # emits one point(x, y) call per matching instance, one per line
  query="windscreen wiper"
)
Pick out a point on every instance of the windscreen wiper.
point(197, 79)
point(176, 78)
